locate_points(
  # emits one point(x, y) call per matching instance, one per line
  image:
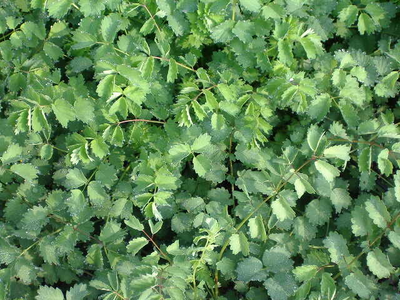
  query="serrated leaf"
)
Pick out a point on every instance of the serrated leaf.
point(327, 170)
point(134, 223)
point(339, 151)
point(282, 209)
point(172, 70)
point(99, 147)
point(251, 5)
point(26, 171)
point(379, 264)
point(239, 243)
point(360, 284)
point(106, 86)
point(365, 24)
point(77, 292)
point(250, 269)
point(337, 246)
point(340, 199)
point(201, 143)
point(305, 272)
point(222, 33)
point(277, 260)
point(12, 154)
point(97, 193)
point(64, 112)
point(75, 178)
point(135, 245)
point(377, 211)
point(49, 293)
point(202, 165)
point(109, 27)
point(257, 228)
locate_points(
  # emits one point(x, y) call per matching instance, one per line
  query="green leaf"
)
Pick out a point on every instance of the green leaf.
point(84, 110)
point(109, 27)
point(244, 30)
point(226, 266)
point(39, 121)
point(277, 260)
point(91, 7)
point(340, 199)
point(379, 264)
point(49, 293)
point(337, 246)
point(106, 86)
point(239, 243)
point(319, 107)
point(223, 32)
point(135, 245)
point(348, 15)
point(257, 228)
point(16, 82)
point(46, 152)
point(251, 5)
point(365, 24)
point(201, 143)
point(250, 269)
point(305, 272)
point(384, 164)
point(75, 178)
point(375, 11)
point(99, 148)
point(282, 209)
point(202, 165)
point(26, 171)
point(318, 211)
point(327, 170)
point(53, 51)
point(285, 53)
point(273, 11)
point(281, 286)
point(77, 292)
point(97, 194)
point(172, 70)
point(377, 211)
point(211, 101)
point(361, 224)
point(147, 67)
point(12, 154)
point(360, 284)
point(64, 112)
point(83, 40)
point(58, 8)
point(397, 185)
point(314, 137)
point(388, 86)
point(134, 223)
point(339, 151)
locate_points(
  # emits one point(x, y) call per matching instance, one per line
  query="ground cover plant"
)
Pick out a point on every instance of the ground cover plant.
point(199, 149)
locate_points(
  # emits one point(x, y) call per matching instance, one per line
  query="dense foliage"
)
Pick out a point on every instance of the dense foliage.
point(199, 149)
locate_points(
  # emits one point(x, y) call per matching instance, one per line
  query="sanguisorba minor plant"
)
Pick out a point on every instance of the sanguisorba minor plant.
point(199, 149)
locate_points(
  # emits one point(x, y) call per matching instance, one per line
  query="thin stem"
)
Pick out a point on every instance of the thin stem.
point(140, 120)
point(237, 228)
point(233, 10)
point(373, 243)
point(179, 64)
point(158, 248)
point(152, 17)
point(362, 142)
point(65, 151)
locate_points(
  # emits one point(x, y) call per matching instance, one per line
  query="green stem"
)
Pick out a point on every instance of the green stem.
point(141, 120)
point(373, 243)
point(237, 228)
